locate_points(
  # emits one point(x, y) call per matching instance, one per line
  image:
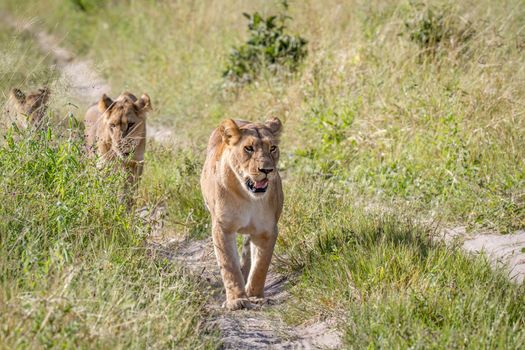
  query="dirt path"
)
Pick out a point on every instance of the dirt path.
point(84, 82)
point(253, 329)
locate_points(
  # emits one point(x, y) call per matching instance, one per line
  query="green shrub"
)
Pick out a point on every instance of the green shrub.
point(434, 29)
point(88, 5)
point(268, 47)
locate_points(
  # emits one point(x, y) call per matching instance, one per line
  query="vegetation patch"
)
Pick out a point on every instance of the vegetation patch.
point(74, 268)
point(172, 182)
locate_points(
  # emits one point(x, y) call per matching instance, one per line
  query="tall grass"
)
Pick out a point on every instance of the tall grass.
point(171, 183)
point(74, 265)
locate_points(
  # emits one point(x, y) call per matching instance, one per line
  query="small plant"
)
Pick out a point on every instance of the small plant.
point(433, 29)
point(268, 47)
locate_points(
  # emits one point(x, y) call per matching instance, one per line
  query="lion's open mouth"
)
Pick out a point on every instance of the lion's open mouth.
point(257, 186)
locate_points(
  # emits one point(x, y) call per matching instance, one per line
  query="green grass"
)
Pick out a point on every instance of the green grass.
point(387, 282)
point(76, 271)
point(402, 113)
point(28, 68)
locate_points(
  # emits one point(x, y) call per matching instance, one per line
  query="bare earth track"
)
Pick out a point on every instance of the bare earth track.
point(252, 329)
point(249, 329)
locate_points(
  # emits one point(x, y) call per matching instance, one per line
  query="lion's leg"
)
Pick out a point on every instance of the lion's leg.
point(246, 258)
point(263, 245)
point(225, 248)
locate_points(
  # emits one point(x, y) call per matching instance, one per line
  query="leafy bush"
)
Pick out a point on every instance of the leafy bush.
point(88, 5)
point(268, 47)
point(434, 29)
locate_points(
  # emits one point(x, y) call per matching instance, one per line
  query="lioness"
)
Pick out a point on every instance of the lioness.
point(27, 110)
point(116, 130)
point(242, 190)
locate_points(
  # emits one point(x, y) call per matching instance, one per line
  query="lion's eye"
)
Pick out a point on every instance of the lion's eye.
point(273, 148)
point(248, 149)
point(112, 125)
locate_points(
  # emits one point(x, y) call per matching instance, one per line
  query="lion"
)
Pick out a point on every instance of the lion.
point(242, 190)
point(115, 130)
point(28, 110)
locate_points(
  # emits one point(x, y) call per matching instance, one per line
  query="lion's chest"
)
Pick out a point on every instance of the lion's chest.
point(255, 218)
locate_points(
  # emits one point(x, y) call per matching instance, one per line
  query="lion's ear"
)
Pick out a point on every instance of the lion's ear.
point(230, 132)
point(275, 126)
point(18, 96)
point(143, 104)
point(104, 103)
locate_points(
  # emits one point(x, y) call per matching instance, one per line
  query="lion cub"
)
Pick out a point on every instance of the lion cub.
point(116, 130)
point(242, 190)
point(28, 110)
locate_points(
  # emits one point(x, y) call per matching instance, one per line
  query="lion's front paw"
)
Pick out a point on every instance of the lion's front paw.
point(238, 304)
point(261, 301)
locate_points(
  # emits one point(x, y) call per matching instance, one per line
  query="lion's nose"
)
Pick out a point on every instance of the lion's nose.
point(266, 171)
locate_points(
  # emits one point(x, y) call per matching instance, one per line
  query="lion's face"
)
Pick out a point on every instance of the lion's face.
point(124, 122)
point(28, 110)
point(253, 153)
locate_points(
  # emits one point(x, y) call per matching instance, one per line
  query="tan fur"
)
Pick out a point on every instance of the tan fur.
point(230, 164)
point(116, 131)
point(28, 110)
